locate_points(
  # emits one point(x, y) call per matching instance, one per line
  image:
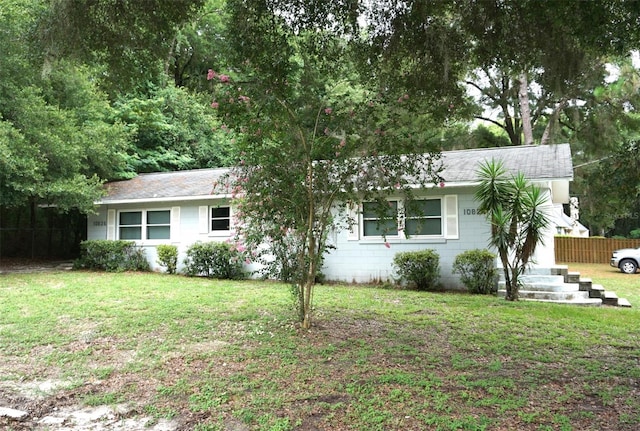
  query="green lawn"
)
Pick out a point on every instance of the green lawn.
point(217, 355)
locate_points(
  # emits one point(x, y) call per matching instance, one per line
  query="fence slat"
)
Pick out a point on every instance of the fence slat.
point(589, 250)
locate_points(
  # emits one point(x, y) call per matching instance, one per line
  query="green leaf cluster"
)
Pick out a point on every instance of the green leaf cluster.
point(477, 269)
point(215, 260)
point(419, 268)
point(112, 256)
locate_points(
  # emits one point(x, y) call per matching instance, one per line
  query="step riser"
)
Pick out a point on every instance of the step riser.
point(546, 287)
point(550, 296)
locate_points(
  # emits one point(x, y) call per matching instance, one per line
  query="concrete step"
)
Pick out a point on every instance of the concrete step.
point(549, 295)
point(546, 287)
point(572, 277)
point(623, 302)
point(585, 284)
point(574, 298)
point(597, 291)
point(610, 298)
point(542, 278)
point(588, 302)
point(559, 270)
point(553, 270)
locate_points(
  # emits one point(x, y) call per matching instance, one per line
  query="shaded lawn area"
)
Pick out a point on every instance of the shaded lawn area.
point(220, 355)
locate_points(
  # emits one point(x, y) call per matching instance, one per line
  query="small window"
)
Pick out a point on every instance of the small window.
point(375, 225)
point(423, 217)
point(220, 219)
point(158, 224)
point(131, 225)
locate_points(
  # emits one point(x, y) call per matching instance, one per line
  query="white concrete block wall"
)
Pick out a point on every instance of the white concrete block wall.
point(188, 228)
point(365, 261)
point(359, 261)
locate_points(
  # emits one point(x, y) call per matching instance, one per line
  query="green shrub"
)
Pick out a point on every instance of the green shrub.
point(112, 256)
point(168, 257)
point(477, 270)
point(420, 268)
point(634, 234)
point(214, 260)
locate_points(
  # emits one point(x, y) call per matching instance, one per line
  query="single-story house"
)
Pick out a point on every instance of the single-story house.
point(182, 207)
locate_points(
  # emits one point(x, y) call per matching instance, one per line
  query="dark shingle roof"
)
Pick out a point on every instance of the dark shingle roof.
point(541, 162)
point(536, 162)
point(164, 185)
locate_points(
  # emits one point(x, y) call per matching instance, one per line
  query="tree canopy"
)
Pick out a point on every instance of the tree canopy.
point(120, 86)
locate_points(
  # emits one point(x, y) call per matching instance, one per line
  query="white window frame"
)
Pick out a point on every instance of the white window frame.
point(448, 221)
point(144, 225)
point(206, 220)
point(212, 219)
point(363, 219)
point(440, 217)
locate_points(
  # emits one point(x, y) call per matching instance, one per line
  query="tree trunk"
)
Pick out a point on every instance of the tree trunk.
point(33, 223)
point(525, 109)
point(310, 280)
point(510, 278)
point(553, 120)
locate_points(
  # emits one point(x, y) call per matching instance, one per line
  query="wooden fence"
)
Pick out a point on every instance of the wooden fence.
point(589, 250)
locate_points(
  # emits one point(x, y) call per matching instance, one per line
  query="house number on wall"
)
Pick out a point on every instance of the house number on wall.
point(470, 211)
point(99, 223)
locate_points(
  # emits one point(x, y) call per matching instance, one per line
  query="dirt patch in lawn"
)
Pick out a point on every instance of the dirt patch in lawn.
point(15, 265)
point(23, 409)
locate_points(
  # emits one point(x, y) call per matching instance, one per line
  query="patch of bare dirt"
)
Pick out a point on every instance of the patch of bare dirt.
point(15, 265)
point(33, 408)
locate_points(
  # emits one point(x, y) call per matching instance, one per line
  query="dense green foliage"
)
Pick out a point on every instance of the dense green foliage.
point(477, 269)
point(104, 90)
point(112, 256)
point(168, 257)
point(420, 269)
point(214, 260)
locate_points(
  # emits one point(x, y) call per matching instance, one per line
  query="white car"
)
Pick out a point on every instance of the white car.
point(626, 259)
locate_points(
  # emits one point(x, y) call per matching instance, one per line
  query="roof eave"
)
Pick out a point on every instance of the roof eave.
point(162, 199)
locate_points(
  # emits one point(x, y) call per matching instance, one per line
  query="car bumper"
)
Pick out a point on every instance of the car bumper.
point(614, 263)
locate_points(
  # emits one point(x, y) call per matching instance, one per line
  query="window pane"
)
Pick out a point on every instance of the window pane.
point(424, 208)
point(158, 232)
point(131, 218)
point(158, 217)
point(221, 224)
point(386, 227)
point(130, 233)
point(425, 226)
point(370, 210)
point(220, 212)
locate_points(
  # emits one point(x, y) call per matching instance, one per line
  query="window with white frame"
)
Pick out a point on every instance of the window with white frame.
point(220, 219)
point(144, 225)
point(423, 218)
point(420, 219)
point(375, 224)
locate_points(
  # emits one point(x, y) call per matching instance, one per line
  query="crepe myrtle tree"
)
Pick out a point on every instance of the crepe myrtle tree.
point(307, 158)
point(515, 209)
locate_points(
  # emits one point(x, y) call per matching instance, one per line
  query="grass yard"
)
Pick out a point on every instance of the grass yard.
point(219, 355)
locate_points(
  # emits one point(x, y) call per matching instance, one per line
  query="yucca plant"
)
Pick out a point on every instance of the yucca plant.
point(515, 209)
